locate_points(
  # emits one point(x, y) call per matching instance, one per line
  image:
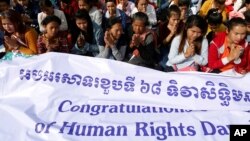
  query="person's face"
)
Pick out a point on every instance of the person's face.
point(237, 34)
point(174, 19)
point(219, 5)
point(82, 24)
point(83, 5)
point(48, 10)
point(142, 5)
point(193, 33)
point(248, 6)
point(116, 30)
point(248, 29)
point(3, 6)
point(52, 29)
point(213, 27)
point(23, 2)
point(123, 2)
point(138, 26)
point(8, 26)
point(184, 10)
point(110, 7)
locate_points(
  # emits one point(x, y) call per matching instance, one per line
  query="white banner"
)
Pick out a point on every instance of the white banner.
point(65, 97)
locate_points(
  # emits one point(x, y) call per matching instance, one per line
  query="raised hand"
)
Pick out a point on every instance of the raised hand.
point(190, 51)
point(11, 43)
point(80, 41)
point(235, 52)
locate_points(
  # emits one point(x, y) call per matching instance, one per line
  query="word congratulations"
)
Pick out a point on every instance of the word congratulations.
point(68, 106)
point(209, 91)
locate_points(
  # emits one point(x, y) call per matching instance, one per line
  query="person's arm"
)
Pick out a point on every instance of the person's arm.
point(202, 59)
point(119, 54)
point(238, 4)
point(151, 15)
point(31, 41)
point(98, 17)
point(99, 38)
point(64, 24)
point(64, 47)
point(242, 61)
point(41, 46)
point(104, 52)
point(147, 51)
point(79, 50)
point(39, 20)
point(214, 61)
point(173, 56)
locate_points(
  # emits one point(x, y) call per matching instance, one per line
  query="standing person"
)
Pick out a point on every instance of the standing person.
point(115, 41)
point(227, 51)
point(190, 49)
point(88, 36)
point(18, 37)
point(142, 42)
point(50, 40)
point(47, 9)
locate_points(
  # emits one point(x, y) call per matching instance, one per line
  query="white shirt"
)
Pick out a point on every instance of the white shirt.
point(95, 15)
point(129, 8)
point(64, 25)
point(150, 12)
point(180, 60)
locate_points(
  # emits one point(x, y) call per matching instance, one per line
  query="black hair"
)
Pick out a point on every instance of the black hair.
point(214, 17)
point(137, 1)
point(84, 15)
point(184, 3)
point(173, 9)
point(220, 1)
point(66, 1)
point(5, 1)
point(45, 3)
point(234, 22)
point(114, 1)
point(90, 2)
point(141, 16)
point(15, 18)
point(193, 20)
point(112, 21)
point(247, 1)
point(247, 16)
point(51, 18)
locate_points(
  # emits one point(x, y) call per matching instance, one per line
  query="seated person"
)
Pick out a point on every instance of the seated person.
point(51, 40)
point(17, 36)
point(189, 50)
point(227, 51)
point(115, 41)
point(214, 20)
point(142, 42)
point(47, 9)
point(88, 36)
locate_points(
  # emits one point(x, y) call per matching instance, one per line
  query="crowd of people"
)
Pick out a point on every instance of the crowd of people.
point(167, 35)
